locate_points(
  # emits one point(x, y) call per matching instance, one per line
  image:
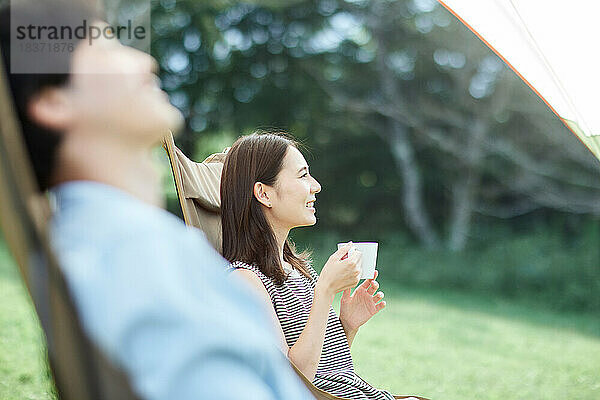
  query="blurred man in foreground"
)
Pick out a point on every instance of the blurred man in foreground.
point(151, 293)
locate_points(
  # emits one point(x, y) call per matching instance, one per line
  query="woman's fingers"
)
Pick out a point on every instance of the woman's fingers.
point(342, 252)
point(377, 297)
point(355, 257)
point(380, 305)
point(366, 284)
point(355, 260)
point(371, 285)
point(374, 285)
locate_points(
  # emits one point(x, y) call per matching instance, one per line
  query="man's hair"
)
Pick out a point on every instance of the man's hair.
point(42, 143)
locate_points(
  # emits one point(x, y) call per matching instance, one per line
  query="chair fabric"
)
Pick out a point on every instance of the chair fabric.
point(80, 370)
point(198, 189)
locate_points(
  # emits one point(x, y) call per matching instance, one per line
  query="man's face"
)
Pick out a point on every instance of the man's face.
point(114, 91)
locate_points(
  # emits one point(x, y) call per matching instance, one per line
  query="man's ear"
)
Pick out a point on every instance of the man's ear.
point(51, 109)
point(261, 194)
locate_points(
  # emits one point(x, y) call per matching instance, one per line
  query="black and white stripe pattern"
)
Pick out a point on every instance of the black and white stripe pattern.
point(292, 302)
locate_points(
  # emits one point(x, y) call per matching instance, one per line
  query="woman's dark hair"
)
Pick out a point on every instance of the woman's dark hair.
point(247, 235)
point(42, 143)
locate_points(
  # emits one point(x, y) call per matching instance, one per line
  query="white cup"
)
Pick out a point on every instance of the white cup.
point(369, 257)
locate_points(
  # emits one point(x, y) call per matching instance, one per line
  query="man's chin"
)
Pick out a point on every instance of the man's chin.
point(170, 122)
point(176, 121)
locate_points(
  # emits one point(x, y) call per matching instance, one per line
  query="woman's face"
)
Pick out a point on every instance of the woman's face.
point(293, 196)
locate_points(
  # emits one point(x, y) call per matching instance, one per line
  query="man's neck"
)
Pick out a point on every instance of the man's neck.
point(120, 165)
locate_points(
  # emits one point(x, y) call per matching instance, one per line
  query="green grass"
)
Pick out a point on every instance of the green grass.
point(454, 346)
point(23, 372)
point(440, 344)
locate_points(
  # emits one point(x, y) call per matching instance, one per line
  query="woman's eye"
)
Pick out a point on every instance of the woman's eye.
point(304, 175)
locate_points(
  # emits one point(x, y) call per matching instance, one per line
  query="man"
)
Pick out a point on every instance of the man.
point(150, 292)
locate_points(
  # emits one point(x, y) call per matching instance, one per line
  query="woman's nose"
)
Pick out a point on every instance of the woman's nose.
point(316, 186)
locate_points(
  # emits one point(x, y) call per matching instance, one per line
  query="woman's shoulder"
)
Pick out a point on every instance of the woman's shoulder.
point(240, 264)
point(253, 277)
point(237, 265)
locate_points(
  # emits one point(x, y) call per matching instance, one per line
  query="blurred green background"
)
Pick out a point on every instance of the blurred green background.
point(486, 208)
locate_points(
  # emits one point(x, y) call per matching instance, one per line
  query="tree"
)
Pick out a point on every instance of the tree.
point(403, 105)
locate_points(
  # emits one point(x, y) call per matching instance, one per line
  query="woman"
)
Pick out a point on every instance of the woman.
point(266, 190)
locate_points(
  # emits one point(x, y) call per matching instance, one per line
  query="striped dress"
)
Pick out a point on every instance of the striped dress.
point(292, 302)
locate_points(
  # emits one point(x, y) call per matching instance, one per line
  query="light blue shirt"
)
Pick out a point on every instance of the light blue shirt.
point(154, 296)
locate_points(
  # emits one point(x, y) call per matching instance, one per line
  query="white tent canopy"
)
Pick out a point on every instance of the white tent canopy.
point(553, 46)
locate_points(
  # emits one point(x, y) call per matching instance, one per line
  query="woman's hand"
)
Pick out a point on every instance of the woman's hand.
point(358, 307)
point(342, 271)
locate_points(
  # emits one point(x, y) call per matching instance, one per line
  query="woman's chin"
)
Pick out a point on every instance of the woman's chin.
point(309, 222)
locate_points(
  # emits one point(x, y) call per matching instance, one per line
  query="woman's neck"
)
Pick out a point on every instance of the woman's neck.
point(281, 235)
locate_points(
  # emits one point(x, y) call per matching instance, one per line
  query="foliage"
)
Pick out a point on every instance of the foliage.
point(545, 266)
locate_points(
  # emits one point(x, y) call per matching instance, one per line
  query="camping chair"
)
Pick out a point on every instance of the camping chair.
point(198, 189)
point(79, 369)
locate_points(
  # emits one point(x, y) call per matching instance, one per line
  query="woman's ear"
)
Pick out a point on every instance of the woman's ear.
point(50, 108)
point(261, 194)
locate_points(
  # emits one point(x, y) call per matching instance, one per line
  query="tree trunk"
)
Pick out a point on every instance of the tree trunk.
point(412, 192)
point(465, 190)
point(404, 156)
